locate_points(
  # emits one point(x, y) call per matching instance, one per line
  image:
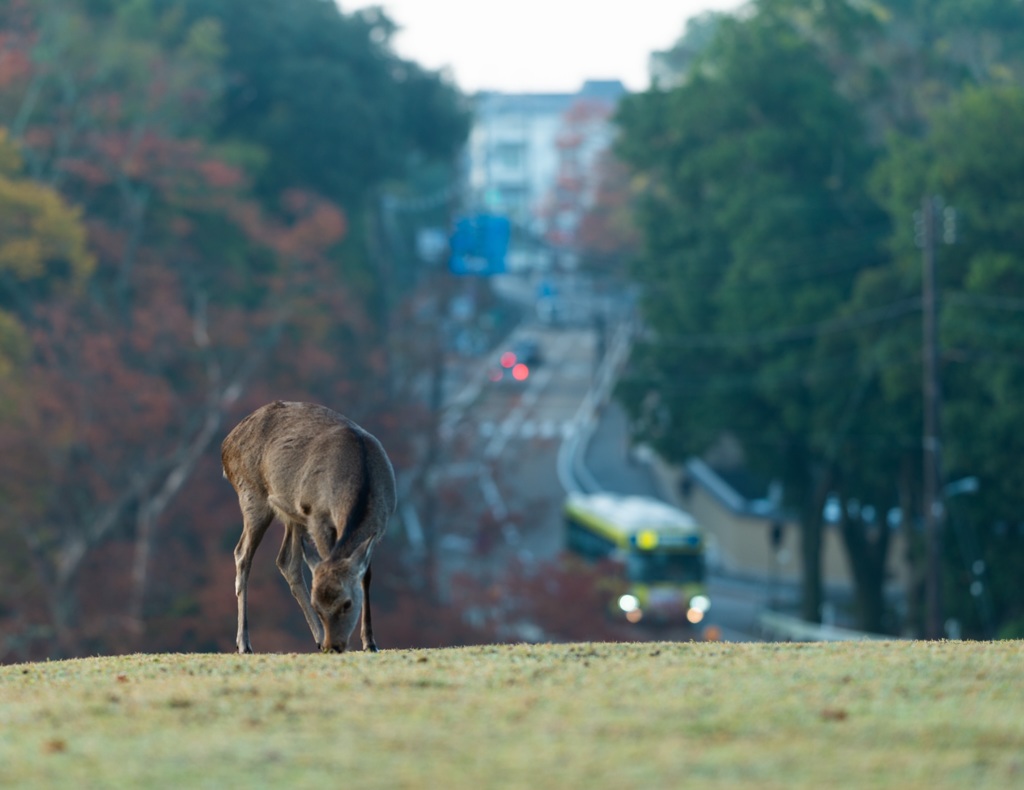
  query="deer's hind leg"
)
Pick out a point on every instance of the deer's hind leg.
point(256, 518)
point(289, 562)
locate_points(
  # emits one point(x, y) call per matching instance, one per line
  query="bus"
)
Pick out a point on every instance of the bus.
point(658, 549)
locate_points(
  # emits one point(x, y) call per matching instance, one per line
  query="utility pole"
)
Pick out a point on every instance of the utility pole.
point(932, 504)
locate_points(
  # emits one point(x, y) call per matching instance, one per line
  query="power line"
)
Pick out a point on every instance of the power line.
point(763, 337)
point(821, 249)
point(809, 274)
point(822, 372)
point(966, 299)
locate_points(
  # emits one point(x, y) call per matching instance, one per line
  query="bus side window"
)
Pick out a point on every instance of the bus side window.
point(585, 543)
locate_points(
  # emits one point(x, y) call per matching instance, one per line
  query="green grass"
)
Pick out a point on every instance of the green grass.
point(650, 715)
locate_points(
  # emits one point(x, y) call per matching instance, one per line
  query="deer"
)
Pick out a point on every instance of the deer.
point(332, 486)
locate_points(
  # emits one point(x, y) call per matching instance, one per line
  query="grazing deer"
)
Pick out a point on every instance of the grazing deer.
point(332, 486)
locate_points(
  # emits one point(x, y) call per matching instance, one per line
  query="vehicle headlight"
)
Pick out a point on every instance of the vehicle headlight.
point(629, 603)
point(700, 602)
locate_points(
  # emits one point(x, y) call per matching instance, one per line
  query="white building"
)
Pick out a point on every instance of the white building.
point(531, 159)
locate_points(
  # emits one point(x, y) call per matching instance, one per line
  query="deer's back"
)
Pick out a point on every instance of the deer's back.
point(310, 456)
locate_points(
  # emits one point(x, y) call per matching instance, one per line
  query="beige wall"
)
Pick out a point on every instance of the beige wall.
point(739, 543)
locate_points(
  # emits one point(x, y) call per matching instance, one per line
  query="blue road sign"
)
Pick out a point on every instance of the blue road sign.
point(479, 245)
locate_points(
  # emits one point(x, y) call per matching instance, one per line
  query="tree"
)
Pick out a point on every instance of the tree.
point(825, 374)
point(42, 253)
point(966, 158)
point(332, 107)
point(755, 221)
point(606, 236)
point(132, 377)
point(216, 278)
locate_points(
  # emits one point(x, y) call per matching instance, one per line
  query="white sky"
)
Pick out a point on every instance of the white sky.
point(548, 46)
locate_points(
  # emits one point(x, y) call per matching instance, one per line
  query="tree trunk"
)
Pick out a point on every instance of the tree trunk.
point(811, 597)
point(867, 549)
point(810, 559)
point(913, 625)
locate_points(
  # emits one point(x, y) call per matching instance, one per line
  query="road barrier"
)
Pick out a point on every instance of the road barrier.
point(572, 471)
point(779, 627)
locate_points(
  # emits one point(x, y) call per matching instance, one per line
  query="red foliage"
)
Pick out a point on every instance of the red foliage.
point(314, 225)
point(202, 302)
point(220, 175)
point(15, 64)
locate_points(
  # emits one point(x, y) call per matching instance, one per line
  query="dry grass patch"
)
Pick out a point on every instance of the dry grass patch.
point(906, 714)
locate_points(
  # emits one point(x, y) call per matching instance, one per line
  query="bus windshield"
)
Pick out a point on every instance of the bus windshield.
point(650, 567)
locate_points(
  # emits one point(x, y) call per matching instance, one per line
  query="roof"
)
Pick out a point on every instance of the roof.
point(497, 102)
point(633, 514)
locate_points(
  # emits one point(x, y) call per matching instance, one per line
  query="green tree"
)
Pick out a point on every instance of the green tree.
point(968, 159)
point(756, 222)
point(325, 97)
point(825, 373)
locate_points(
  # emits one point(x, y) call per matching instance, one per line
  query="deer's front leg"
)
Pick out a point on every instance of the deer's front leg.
point(289, 562)
point(366, 630)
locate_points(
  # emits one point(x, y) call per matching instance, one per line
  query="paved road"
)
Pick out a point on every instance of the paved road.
point(501, 472)
point(503, 440)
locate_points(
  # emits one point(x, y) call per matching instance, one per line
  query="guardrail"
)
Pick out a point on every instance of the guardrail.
point(572, 472)
point(783, 627)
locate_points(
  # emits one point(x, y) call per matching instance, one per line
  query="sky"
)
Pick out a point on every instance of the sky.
point(547, 46)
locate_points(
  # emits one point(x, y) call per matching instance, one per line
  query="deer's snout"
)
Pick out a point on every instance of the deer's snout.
point(326, 648)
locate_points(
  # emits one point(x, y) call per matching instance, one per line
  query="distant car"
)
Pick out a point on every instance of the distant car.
point(527, 351)
point(516, 362)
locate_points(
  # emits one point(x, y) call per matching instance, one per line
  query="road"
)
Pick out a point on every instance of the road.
point(501, 472)
point(503, 440)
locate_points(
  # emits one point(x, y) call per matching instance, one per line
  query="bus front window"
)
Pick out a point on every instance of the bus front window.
point(652, 567)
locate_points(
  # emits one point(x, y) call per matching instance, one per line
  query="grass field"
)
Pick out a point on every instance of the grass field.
point(650, 715)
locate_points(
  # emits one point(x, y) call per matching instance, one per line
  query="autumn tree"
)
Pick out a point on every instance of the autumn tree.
point(194, 287)
point(230, 261)
point(606, 237)
point(42, 254)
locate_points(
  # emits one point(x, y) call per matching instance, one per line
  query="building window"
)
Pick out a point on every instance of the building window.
point(509, 155)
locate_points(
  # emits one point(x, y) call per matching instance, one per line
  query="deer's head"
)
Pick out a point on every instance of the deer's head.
point(337, 596)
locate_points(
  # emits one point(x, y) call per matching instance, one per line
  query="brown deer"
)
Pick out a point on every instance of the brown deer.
point(332, 486)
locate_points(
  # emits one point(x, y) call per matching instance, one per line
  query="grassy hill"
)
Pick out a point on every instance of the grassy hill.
point(651, 715)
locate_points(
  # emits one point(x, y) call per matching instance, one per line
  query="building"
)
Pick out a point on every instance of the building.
point(531, 158)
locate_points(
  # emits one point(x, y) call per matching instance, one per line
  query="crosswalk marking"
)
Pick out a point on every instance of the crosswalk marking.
point(546, 430)
point(513, 427)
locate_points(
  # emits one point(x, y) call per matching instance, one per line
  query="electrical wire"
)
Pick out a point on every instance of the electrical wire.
point(765, 337)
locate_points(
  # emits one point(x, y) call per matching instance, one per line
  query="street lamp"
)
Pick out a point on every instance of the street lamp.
point(965, 485)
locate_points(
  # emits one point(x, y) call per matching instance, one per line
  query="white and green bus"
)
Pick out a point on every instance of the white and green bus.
point(657, 550)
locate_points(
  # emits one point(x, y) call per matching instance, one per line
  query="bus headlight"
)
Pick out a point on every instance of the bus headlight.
point(629, 603)
point(701, 603)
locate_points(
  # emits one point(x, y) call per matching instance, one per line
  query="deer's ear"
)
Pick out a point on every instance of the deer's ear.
point(360, 558)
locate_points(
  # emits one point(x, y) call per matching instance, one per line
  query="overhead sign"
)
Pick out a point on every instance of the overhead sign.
point(479, 245)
